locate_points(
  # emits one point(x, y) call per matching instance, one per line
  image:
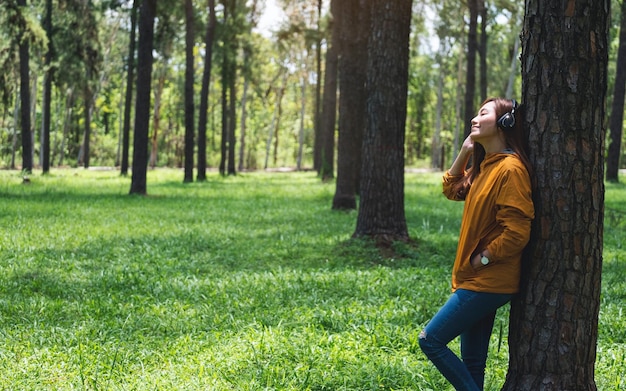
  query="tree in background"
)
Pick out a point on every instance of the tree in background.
point(354, 30)
point(381, 208)
point(189, 87)
point(554, 318)
point(616, 120)
point(470, 71)
point(204, 93)
point(328, 119)
point(147, 12)
point(130, 80)
point(47, 100)
point(27, 143)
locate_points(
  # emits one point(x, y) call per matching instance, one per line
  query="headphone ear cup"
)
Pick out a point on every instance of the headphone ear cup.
point(506, 122)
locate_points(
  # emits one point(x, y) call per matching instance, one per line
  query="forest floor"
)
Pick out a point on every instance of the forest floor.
point(248, 282)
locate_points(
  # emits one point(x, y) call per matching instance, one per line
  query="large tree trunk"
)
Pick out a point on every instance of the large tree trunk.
point(189, 106)
point(554, 319)
point(142, 106)
point(354, 29)
point(204, 93)
point(381, 209)
point(130, 77)
point(329, 103)
point(27, 142)
point(617, 109)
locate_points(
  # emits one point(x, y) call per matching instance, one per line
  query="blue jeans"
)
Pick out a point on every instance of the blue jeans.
point(470, 315)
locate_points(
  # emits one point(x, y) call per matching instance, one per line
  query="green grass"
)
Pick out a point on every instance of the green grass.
point(239, 283)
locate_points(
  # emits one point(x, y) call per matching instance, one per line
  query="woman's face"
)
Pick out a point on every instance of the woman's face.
point(484, 125)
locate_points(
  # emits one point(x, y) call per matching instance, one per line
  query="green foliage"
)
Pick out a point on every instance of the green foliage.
point(239, 283)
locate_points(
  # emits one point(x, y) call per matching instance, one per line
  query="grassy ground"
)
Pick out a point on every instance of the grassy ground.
point(239, 283)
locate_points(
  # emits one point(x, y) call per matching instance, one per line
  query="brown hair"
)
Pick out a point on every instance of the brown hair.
point(515, 139)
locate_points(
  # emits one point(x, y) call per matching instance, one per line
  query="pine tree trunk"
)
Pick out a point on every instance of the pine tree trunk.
point(204, 94)
point(27, 143)
point(142, 107)
point(381, 210)
point(128, 99)
point(189, 83)
point(329, 102)
point(554, 319)
point(354, 29)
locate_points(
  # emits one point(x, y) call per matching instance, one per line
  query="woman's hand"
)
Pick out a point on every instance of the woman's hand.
point(468, 145)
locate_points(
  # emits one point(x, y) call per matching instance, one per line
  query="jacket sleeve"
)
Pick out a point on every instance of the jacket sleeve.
point(514, 214)
point(448, 186)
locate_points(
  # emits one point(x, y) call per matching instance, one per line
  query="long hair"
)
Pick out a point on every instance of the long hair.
point(515, 139)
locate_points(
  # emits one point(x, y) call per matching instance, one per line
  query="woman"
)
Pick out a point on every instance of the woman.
point(494, 231)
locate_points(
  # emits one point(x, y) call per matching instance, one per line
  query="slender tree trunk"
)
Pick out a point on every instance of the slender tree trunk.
point(204, 93)
point(147, 14)
point(554, 318)
point(470, 76)
point(130, 78)
point(484, 13)
point(275, 120)
point(225, 116)
point(616, 122)
point(232, 121)
point(47, 96)
point(317, 118)
point(242, 136)
point(156, 116)
point(189, 82)
point(87, 118)
point(27, 143)
point(381, 209)
point(355, 26)
point(302, 114)
point(329, 104)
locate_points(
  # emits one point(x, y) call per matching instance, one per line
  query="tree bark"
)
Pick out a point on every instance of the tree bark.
point(354, 29)
point(204, 93)
point(317, 126)
point(329, 102)
point(554, 319)
point(47, 96)
point(616, 120)
point(27, 143)
point(147, 13)
point(381, 209)
point(189, 104)
point(130, 78)
point(470, 76)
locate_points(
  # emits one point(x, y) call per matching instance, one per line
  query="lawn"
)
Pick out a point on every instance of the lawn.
point(238, 283)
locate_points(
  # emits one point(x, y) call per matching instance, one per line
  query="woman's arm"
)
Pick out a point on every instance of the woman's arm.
point(459, 164)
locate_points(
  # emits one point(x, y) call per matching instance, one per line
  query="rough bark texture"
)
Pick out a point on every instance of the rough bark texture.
point(554, 319)
point(355, 23)
point(381, 208)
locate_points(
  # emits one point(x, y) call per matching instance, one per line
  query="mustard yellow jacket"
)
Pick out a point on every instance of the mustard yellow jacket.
point(497, 217)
